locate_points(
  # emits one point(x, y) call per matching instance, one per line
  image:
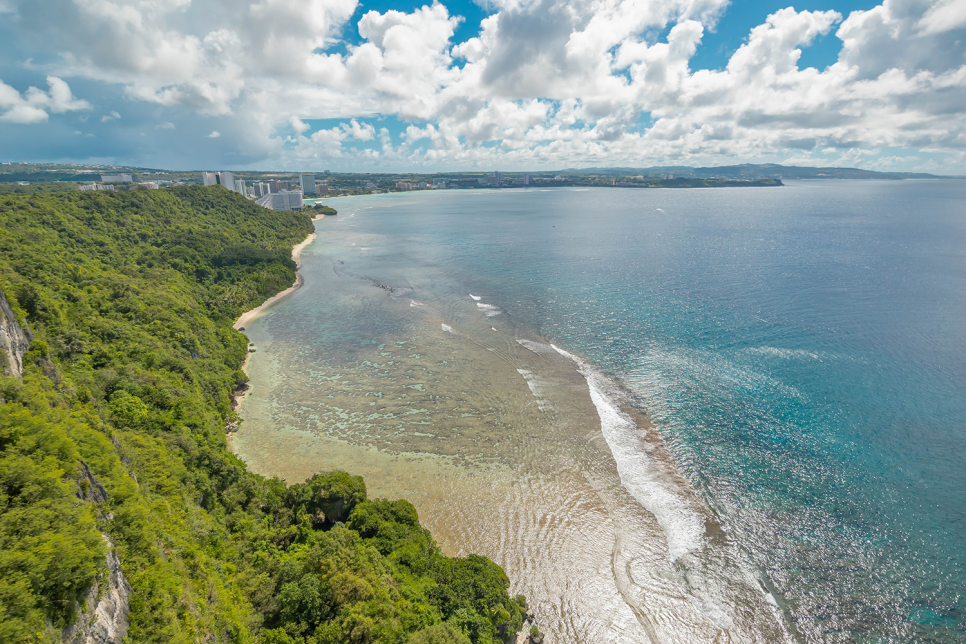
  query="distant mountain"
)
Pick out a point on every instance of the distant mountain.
point(44, 172)
point(759, 170)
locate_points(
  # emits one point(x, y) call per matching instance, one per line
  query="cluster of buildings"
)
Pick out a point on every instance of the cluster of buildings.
point(497, 180)
point(226, 179)
point(108, 181)
point(637, 180)
point(413, 185)
point(275, 194)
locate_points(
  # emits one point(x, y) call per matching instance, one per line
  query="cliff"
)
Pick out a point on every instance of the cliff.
point(114, 448)
point(104, 616)
point(14, 340)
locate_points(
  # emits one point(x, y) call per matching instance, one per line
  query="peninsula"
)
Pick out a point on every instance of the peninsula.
point(19, 177)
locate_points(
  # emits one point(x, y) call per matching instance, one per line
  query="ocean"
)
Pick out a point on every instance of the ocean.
point(733, 414)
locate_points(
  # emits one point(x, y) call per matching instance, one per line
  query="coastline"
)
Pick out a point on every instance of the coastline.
point(506, 447)
point(248, 316)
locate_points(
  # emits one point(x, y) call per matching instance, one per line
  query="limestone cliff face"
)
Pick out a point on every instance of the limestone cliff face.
point(14, 341)
point(103, 616)
point(103, 619)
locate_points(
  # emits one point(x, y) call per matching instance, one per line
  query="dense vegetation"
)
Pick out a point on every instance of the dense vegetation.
point(322, 209)
point(37, 188)
point(115, 439)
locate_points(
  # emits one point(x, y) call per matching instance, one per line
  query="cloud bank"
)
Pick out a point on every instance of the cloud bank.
point(36, 105)
point(542, 83)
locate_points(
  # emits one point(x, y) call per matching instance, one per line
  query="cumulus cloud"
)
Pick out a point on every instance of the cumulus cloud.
point(35, 105)
point(110, 117)
point(214, 135)
point(298, 125)
point(542, 82)
point(944, 16)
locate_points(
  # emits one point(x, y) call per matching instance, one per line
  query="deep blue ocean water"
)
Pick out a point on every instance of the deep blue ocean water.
point(802, 350)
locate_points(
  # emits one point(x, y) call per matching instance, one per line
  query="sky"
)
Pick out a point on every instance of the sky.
point(381, 86)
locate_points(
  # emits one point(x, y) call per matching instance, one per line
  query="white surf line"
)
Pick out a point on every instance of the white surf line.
point(682, 524)
point(250, 315)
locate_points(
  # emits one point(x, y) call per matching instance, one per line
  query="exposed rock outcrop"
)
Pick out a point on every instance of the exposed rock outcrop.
point(89, 488)
point(14, 340)
point(103, 618)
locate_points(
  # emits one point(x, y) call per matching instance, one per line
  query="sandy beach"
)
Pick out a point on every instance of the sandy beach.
point(239, 395)
point(250, 315)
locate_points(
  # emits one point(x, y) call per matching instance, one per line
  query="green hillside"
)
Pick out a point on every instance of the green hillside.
point(115, 439)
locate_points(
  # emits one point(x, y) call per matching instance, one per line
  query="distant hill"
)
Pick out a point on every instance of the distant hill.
point(759, 170)
point(50, 172)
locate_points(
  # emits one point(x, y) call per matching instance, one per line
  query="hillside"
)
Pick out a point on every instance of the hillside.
point(755, 171)
point(121, 508)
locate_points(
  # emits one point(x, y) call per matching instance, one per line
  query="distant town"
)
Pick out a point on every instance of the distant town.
point(293, 190)
point(290, 194)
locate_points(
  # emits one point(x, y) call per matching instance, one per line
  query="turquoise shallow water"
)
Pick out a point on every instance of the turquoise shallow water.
point(802, 351)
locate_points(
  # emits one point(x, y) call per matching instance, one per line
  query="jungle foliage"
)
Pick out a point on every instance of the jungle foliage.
point(115, 438)
point(322, 209)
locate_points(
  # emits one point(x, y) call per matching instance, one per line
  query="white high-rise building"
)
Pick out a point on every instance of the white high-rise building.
point(260, 188)
point(284, 200)
point(307, 182)
point(226, 179)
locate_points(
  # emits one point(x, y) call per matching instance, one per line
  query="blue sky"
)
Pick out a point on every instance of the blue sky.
point(535, 84)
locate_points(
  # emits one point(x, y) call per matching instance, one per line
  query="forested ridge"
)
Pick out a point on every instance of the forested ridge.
point(114, 441)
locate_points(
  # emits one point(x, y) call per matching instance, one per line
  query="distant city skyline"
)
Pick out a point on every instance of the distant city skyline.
point(307, 85)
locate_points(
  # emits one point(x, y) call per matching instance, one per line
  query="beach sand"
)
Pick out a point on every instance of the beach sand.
point(248, 316)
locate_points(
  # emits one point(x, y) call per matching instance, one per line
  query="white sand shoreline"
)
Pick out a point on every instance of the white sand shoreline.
point(248, 316)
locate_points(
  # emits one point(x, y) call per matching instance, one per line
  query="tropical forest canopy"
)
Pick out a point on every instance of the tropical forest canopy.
point(115, 439)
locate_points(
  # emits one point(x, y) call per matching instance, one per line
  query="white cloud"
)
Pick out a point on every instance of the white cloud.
point(944, 16)
point(167, 125)
point(110, 117)
point(364, 132)
point(543, 82)
point(35, 105)
point(214, 135)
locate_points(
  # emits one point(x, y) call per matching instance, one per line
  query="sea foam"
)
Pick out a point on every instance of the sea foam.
point(787, 354)
point(681, 522)
point(488, 309)
point(537, 389)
